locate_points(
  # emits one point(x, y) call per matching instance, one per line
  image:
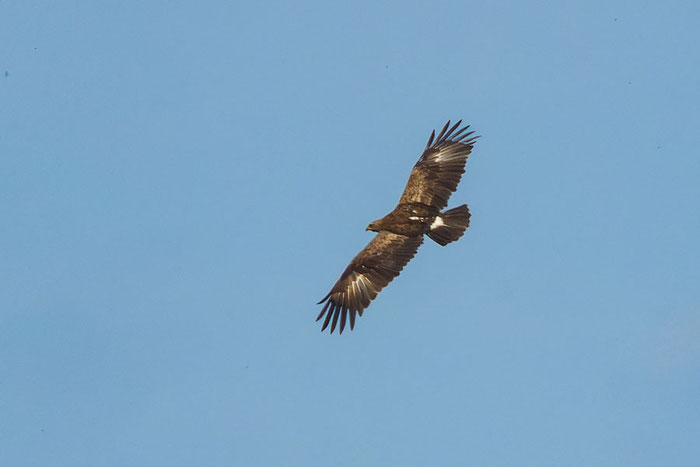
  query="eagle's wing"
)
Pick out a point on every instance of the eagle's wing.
point(368, 273)
point(439, 169)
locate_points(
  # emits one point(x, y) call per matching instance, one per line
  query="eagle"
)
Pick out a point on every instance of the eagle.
point(399, 234)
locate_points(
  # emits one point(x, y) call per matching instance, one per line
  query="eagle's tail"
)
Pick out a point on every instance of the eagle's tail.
point(450, 225)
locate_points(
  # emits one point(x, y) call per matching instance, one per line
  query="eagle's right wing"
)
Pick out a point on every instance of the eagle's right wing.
point(368, 273)
point(438, 171)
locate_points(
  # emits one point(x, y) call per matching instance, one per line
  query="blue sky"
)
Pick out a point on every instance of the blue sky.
point(180, 184)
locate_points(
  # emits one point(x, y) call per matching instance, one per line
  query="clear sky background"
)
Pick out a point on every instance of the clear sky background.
point(180, 183)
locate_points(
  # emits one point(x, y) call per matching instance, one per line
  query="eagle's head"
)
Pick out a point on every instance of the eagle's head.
point(373, 227)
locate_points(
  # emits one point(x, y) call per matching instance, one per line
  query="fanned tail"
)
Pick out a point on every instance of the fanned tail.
point(450, 225)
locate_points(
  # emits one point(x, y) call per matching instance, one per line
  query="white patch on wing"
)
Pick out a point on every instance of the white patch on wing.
point(440, 156)
point(352, 288)
point(436, 223)
point(414, 218)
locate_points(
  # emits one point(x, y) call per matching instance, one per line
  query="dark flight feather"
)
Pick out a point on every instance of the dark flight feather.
point(366, 275)
point(438, 171)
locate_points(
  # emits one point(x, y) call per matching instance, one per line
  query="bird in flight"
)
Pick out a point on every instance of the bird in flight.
point(399, 234)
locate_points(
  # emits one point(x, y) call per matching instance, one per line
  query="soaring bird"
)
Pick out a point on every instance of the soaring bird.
point(399, 234)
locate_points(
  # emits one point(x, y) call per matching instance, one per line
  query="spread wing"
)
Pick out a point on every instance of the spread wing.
point(438, 171)
point(368, 273)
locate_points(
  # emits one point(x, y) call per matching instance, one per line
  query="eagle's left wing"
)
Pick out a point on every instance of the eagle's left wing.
point(438, 171)
point(368, 273)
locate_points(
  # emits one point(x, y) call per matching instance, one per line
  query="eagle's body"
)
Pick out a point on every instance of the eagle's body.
point(419, 212)
point(409, 219)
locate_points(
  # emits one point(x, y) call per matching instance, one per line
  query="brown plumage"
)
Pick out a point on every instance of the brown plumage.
point(433, 179)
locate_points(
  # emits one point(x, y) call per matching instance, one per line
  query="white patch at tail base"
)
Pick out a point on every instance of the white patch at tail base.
point(436, 223)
